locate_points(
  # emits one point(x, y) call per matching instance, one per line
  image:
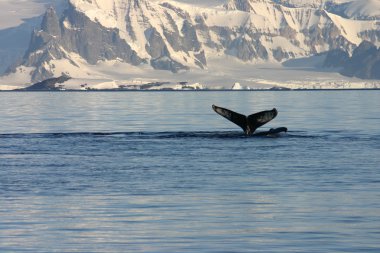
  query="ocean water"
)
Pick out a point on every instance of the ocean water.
point(161, 172)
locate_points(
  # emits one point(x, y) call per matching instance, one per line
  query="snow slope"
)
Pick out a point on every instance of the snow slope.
point(261, 16)
point(134, 19)
point(363, 9)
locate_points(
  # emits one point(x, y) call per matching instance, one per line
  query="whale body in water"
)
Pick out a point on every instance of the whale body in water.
point(250, 123)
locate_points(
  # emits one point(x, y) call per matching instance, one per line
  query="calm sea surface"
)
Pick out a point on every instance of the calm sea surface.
point(161, 172)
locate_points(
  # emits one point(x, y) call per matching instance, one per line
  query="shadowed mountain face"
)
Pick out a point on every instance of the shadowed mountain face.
point(57, 40)
point(336, 58)
point(176, 37)
point(364, 62)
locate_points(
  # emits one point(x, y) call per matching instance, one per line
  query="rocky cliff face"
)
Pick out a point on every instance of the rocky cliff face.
point(75, 33)
point(175, 37)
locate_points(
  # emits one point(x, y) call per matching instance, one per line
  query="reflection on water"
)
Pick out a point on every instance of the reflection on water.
point(130, 172)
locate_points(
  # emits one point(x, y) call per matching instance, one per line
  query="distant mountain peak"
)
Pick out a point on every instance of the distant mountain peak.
point(50, 22)
point(244, 5)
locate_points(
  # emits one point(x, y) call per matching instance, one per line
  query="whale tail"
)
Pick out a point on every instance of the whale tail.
point(248, 124)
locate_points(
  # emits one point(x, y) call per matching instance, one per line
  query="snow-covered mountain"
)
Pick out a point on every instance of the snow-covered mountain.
point(369, 9)
point(91, 37)
point(354, 9)
point(360, 10)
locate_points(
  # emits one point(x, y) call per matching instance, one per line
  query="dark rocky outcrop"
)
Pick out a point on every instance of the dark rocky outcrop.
point(364, 62)
point(48, 84)
point(336, 58)
point(74, 33)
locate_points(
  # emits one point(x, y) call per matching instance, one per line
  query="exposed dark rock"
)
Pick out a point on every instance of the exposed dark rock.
point(200, 59)
point(74, 33)
point(190, 40)
point(165, 63)
point(336, 58)
point(241, 5)
point(279, 54)
point(156, 46)
point(50, 23)
point(48, 84)
point(364, 62)
point(93, 41)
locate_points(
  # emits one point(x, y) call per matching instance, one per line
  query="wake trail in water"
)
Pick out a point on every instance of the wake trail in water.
point(142, 135)
point(333, 134)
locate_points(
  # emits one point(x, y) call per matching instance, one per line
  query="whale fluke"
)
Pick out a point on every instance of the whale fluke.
point(248, 124)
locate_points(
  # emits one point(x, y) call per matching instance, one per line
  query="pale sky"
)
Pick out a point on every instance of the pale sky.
point(13, 11)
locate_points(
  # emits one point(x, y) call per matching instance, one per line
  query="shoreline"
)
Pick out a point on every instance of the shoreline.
point(200, 90)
